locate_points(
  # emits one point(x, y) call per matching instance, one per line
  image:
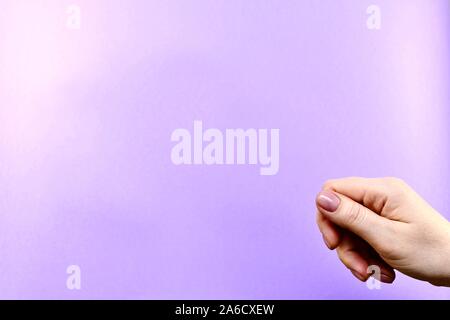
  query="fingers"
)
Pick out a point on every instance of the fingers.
point(371, 192)
point(330, 232)
point(387, 272)
point(357, 256)
point(354, 217)
point(352, 259)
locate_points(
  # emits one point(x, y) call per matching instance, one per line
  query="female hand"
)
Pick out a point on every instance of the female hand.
point(384, 222)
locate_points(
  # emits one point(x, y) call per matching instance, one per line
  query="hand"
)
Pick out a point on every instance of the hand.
point(384, 222)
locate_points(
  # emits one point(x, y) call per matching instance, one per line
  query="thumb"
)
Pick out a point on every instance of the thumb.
point(352, 216)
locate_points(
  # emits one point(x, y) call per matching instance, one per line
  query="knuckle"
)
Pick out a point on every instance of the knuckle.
point(394, 182)
point(355, 215)
point(395, 187)
point(328, 184)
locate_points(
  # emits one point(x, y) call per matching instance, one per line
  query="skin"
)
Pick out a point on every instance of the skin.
point(384, 222)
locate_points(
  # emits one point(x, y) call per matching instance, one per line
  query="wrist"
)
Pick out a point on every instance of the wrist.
point(444, 279)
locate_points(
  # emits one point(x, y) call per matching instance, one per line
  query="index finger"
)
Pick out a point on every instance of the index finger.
point(372, 193)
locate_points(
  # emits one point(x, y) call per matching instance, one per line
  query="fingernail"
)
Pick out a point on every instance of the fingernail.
point(386, 279)
point(326, 242)
point(358, 275)
point(328, 201)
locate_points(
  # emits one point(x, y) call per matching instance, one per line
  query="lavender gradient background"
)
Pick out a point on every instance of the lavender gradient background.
point(86, 118)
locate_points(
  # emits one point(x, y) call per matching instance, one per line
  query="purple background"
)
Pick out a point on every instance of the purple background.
point(86, 118)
